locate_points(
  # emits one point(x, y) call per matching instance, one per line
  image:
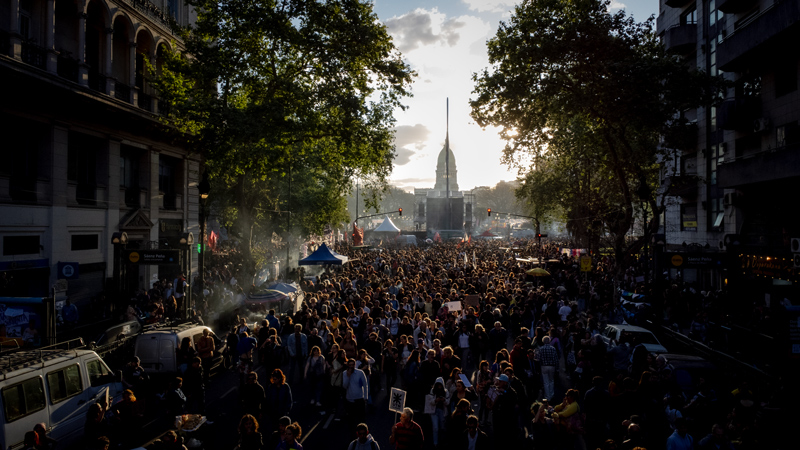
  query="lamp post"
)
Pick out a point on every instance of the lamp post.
point(117, 240)
point(187, 240)
point(204, 188)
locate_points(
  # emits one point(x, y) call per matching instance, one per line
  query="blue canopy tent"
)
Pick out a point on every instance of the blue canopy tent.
point(323, 256)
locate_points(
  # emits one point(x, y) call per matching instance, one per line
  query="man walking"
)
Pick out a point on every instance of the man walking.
point(297, 345)
point(407, 434)
point(356, 392)
point(547, 357)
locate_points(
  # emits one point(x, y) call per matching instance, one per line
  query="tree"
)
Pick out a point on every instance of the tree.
point(287, 99)
point(592, 92)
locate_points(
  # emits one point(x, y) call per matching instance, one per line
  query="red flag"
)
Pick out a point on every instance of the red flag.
point(358, 235)
point(212, 241)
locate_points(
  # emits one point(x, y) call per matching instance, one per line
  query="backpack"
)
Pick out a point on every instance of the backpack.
point(372, 444)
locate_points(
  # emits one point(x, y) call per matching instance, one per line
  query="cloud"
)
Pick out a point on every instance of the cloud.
point(412, 181)
point(616, 5)
point(408, 140)
point(490, 5)
point(421, 28)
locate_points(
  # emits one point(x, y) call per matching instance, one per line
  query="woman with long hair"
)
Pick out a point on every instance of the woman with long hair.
point(314, 373)
point(291, 438)
point(350, 345)
point(484, 379)
point(185, 354)
point(277, 398)
point(249, 436)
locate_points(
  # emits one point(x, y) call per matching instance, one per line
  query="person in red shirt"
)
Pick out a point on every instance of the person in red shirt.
point(407, 434)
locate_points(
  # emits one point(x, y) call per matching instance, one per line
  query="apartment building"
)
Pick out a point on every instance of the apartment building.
point(731, 215)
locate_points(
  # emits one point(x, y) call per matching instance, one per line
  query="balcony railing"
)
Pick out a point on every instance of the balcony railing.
point(145, 101)
point(170, 201)
point(122, 91)
point(97, 81)
point(67, 68)
point(34, 55)
point(152, 11)
point(5, 43)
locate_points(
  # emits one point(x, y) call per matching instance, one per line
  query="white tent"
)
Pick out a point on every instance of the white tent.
point(387, 226)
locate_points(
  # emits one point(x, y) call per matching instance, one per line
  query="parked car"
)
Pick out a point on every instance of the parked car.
point(614, 332)
point(157, 347)
point(54, 385)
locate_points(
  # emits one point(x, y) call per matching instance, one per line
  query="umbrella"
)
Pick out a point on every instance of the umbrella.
point(286, 288)
point(538, 272)
point(266, 296)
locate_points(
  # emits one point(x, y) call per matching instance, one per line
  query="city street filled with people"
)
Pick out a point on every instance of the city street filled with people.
point(480, 352)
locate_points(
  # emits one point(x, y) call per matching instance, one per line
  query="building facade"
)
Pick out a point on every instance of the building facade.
point(85, 155)
point(443, 207)
point(733, 183)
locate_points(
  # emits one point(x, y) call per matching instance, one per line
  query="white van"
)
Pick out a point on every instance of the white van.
point(156, 347)
point(55, 386)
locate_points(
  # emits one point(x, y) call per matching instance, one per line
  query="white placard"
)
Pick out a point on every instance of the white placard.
point(453, 306)
point(397, 400)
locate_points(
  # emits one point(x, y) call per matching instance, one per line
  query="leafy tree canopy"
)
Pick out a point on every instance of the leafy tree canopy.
point(587, 94)
point(271, 90)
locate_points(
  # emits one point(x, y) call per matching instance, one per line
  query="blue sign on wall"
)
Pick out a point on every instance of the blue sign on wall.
point(68, 270)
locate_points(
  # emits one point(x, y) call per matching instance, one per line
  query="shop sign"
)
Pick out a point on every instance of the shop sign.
point(154, 257)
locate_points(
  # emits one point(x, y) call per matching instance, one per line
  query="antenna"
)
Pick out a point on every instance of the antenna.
point(447, 167)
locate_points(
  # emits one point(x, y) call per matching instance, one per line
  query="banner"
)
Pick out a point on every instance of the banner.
point(453, 306)
point(397, 400)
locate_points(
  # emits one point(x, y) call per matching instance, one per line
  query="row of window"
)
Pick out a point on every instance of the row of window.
point(27, 397)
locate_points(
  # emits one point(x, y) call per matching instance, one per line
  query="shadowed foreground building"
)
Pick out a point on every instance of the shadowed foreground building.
point(84, 153)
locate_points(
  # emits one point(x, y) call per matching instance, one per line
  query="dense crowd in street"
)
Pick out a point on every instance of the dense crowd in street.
point(515, 361)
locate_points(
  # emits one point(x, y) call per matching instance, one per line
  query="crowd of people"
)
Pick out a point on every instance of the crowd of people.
point(486, 354)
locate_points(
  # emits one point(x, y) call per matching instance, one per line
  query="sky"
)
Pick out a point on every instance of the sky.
point(444, 41)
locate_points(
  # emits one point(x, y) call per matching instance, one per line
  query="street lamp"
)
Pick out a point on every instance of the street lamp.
point(186, 241)
point(117, 240)
point(204, 188)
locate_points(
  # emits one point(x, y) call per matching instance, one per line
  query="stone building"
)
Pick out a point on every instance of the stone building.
point(85, 156)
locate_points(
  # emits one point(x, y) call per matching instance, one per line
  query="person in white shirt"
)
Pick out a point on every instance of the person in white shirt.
point(356, 392)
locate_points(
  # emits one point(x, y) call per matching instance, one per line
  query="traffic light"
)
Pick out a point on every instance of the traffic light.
point(400, 210)
point(489, 212)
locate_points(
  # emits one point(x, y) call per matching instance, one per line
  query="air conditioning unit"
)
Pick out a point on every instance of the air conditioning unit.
point(730, 199)
point(795, 245)
point(760, 125)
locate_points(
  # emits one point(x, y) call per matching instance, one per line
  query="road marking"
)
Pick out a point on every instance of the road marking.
point(330, 419)
point(309, 432)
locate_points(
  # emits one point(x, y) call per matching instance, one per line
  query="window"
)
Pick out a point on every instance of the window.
point(129, 175)
point(167, 169)
point(172, 6)
point(82, 167)
point(23, 398)
point(689, 217)
point(20, 245)
point(64, 383)
point(689, 17)
point(786, 79)
point(84, 242)
point(99, 373)
point(716, 213)
point(716, 157)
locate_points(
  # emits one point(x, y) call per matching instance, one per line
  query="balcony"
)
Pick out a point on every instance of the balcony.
point(145, 101)
point(97, 82)
point(171, 201)
point(684, 186)
point(765, 166)
point(765, 38)
point(67, 68)
point(739, 114)
point(681, 39)
point(34, 55)
point(122, 91)
point(735, 6)
point(682, 137)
